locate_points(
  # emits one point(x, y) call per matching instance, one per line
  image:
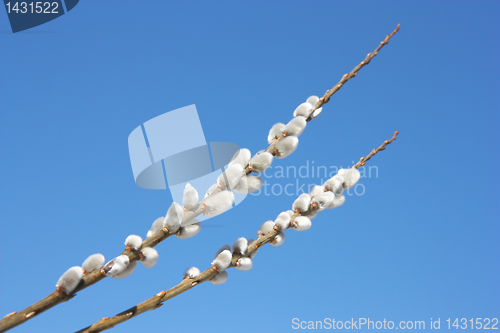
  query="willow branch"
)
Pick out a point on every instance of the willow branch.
point(16, 318)
point(188, 283)
point(326, 98)
point(363, 160)
point(56, 297)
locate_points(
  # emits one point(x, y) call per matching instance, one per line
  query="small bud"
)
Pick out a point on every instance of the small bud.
point(275, 132)
point(335, 184)
point(133, 242)
point(302, 203)
point(244, 264)
point(230, 178)
point(127, 271)
point(189, 230)
point(218, 203)
point(303, 109)
point(156, 226)
point(265, 228)
point(241, 157)
point(286, 146)
point(174, 217)
point(220, 278)
point(149, 257)
point(116, 265)
point(312, 100)
point(190, 273)
point(92, 263)
point(301, 223)
point(248, 184)
point(260, 162)
point(70, 280)
point(337, 201)
point(222, 261)
point(296, 126)
point(190, 197)
point(240, 246)
point(282, 221)
point(351, 177)
point(278, 240)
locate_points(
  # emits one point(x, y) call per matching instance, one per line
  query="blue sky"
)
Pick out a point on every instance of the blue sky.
point(421, 241)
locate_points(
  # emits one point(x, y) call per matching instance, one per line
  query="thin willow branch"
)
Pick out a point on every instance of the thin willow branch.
point(363, 160)
point(16, 318)
point(186, 284)
point(326, 98)
point(56, 297)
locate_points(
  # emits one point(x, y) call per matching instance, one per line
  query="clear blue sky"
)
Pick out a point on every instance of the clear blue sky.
point(421, 242)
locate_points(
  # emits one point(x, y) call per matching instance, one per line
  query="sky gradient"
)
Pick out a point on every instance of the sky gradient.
point(420, 241)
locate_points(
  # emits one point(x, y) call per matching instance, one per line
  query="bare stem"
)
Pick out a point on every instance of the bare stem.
point(326, 98)
point(363, 160)
point(187, 284)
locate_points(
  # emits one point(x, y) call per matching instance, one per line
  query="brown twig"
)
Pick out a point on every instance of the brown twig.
point(187, 284)
point(326, 98)
point(56, 297)
point(363, 160)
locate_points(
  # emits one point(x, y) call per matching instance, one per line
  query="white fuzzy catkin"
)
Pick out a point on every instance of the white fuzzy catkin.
point(231, 177)
point(149, 257)
point(156, 226)
point(241, 157)
point(188, 231)
point(323, 200)
point(316, 190)
point(286, 146)
point(133, 242)
point(260, 162)
point(218, 203)
point(335, 184)
point(222, 248)
point(296, 126)
point(275, 132)
point(174, 217)
point(313, 214)
point(303, 109)
point(70, 279)
point(290, 212)
point(244, 264)
point(190, 272)
point(312, 100)
point(301, 223)
point(240, 246)
point(316, 113)
point(116, 265)
point(211, 189)
point(248, 184)
point(250, 242)
point(222, 261)
point(278, 239)
point(265, 228)
point(338, 201)
point(351, 177)
point(127, 272)
point(190, 197)
point(220, 278)
point(302, 203)
point(282, 221)
point(92, 263)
